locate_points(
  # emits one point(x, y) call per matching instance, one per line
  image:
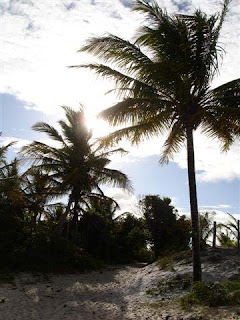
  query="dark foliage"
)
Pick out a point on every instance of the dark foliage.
point(167, 231)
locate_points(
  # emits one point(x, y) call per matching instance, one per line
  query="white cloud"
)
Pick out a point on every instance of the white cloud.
point(40, 38)
point(224, 206)
point(128, 202)
point(217, 215)
point(211, 164)
point(17, 146)
point(210, 161)
point(19, 143)
point(219, 206)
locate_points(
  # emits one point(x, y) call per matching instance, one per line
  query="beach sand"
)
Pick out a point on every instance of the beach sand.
point(115, 293)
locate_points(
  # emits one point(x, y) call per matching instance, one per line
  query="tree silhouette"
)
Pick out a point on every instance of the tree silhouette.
point(76, 166)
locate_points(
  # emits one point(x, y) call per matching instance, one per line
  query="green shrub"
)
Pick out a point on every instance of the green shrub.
point(145, 255)
point(166, 263)
point(213, 294)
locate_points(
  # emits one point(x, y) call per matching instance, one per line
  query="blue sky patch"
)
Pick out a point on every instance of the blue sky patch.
point(183, 5)
point(70, 6)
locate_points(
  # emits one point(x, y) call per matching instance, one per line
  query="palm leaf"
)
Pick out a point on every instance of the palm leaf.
point(173, 143)
point(122, 53)
point(49, 130)
point(3, 150)
point(133, 110)
point(143, 130)
point(126, 85)
point(115, 178)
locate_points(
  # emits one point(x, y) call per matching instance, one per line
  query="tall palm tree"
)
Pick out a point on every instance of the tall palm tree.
point(75, 166)
point(163, 79)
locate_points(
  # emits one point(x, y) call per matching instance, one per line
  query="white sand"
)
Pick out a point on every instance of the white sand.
point(117, 293)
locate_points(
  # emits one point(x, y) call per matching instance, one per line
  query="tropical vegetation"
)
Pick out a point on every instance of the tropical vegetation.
point(54, 215)
point(167, 230)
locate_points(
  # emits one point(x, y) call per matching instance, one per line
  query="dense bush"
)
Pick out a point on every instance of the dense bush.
point(98, 238)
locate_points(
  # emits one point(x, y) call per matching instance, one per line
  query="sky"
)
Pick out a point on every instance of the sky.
point(40, 38)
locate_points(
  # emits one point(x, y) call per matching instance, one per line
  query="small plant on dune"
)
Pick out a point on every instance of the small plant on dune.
point(166, 263)
point(177, 282)
point(212, 294)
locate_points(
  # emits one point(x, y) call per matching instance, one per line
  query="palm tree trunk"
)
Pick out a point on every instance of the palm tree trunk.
point(75, 221)
point(197, 271)
point(214, 234)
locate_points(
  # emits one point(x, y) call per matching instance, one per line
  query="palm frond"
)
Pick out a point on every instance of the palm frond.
point(114, 50)
point(144, 130)
point(133, 110)
point(109, 153)
point(101, 197)
point(49, 130)
point(151, 10)
point(115, 178)
point(222, 124)
point(4, 149)
point(125, 84)
point(37, 152)
point(212, 131)
point(223, 14)
point(173, 143)
point(227, 95)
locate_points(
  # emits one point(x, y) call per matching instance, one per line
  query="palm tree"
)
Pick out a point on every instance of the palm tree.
point(12, 201)
point(163, 79)
point(76, 166)
point(10, 179)
point(233, 227)
point(207, 228)
point(38, 192)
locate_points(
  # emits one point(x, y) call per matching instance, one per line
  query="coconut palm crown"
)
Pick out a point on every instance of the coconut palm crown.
point(163, 79)
point(75, 166)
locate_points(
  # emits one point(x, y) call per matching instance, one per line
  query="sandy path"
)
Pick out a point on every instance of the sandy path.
point(109, 295)
point(112, 294)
